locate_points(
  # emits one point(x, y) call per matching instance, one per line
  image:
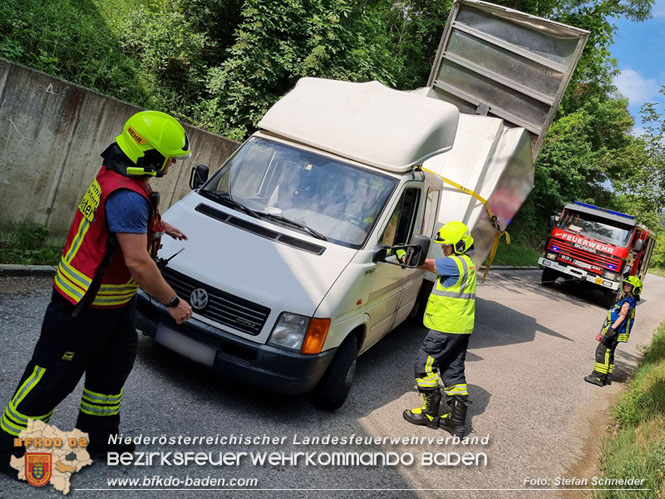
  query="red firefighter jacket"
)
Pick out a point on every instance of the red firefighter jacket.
point(86, 245)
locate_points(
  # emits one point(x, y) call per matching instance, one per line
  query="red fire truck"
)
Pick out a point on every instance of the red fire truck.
point(596, 245)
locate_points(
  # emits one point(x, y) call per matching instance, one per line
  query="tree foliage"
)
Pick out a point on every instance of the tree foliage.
point(221, 64)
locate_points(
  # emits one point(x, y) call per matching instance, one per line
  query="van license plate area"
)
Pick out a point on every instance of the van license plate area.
point(184, 345)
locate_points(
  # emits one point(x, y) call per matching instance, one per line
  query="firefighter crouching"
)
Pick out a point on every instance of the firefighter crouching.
point(449, 316)
point(616, 329)
point(89, 323)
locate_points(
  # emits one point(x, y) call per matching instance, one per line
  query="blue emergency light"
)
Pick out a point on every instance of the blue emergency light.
point(603, 209)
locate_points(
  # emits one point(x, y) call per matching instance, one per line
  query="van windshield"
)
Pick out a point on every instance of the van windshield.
point(597, 228)
point(285, 184)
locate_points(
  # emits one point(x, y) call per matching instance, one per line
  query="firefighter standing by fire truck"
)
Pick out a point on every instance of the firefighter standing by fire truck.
point(449, 316)
point(616, 329)
point(89, 324)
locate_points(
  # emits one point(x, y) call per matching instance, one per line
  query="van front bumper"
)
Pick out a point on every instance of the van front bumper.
point(277, 369)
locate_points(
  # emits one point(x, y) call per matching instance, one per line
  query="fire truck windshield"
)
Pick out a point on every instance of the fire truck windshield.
point(597, 228)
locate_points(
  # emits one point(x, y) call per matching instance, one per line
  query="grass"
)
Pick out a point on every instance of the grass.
point(638, 448)
point(26, 244)
point(515, 254)
point(657, 271)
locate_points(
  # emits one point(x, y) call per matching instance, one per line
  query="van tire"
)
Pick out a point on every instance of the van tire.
point(334, 387)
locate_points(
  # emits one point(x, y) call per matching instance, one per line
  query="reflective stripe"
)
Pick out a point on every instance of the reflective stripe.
point(116, 294)
point(465, 276)
point(65, 286)
point(9, 427)
point(131, 284)
point(74, 275)
point(453, 294)
point(429, 364)
point(28, 385)
point(601, 368)
point(67, 279)
point(12, 412)
point(460, 389)
point(100, 397)
point(112, 300)
point(83, 228)
point(95, 410)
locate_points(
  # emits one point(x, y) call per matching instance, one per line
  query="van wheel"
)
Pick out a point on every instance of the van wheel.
point(548, 277)
point(332, 390)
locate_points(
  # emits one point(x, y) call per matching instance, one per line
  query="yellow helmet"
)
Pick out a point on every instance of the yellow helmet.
point(456, 234)
point(149, 139)
point(635, 282)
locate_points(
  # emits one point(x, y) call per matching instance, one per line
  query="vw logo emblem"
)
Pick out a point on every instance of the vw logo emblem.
point(198, 299)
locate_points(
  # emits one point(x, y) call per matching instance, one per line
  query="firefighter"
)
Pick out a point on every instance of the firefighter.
point(615, 330)
point(449, 316)
point(89, 325)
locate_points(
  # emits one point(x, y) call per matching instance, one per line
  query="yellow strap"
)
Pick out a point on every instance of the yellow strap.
point(493, 219)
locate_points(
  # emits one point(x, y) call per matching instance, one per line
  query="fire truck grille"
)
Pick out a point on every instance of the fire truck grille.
point(221, 306)
point(596, 260)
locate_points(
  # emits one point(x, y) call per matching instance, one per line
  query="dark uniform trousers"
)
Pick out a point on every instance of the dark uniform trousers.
point(442, 354)
point(100, 343)
point(605, 358)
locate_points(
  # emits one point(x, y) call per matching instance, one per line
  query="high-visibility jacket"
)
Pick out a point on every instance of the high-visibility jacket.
point(452, 309)
point(613, 314)
point(86, 245)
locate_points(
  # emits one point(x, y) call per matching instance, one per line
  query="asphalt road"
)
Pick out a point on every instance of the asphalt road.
point(530, 350)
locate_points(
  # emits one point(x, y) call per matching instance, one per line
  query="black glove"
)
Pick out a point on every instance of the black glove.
point(608, 337)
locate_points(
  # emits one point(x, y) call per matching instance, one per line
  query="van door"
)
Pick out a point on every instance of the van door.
point(385, 295)
point(426, 225)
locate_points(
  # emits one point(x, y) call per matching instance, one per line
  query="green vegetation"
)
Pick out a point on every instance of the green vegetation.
point(516, 254)
point(220, 64)
point(27, 244)
point(638, 449)
point(657, 271)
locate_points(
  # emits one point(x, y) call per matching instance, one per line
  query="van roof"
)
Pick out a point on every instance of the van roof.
point(366, 122)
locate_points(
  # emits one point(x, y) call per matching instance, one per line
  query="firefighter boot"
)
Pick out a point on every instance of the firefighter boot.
point(428, 414)
point(455, 422)
point(596, 378)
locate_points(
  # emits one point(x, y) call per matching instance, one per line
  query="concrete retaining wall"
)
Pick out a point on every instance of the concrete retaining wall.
point(53, 134)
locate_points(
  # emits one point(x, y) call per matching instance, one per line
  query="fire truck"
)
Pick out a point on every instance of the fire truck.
point(598, 246)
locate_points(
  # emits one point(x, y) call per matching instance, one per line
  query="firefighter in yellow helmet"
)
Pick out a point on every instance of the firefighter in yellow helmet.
point(449, 316)
point(89, 324)
point(616, 329)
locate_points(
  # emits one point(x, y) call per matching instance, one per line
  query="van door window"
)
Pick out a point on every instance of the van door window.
point(429, 216)
point(400, 225)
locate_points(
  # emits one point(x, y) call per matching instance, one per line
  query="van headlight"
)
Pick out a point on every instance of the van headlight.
point(289, 331)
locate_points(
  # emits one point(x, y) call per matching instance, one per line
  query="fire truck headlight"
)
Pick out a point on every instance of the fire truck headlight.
point(610, 275)
point(551, 256)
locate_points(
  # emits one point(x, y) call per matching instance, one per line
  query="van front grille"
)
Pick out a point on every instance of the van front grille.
point(221, 307)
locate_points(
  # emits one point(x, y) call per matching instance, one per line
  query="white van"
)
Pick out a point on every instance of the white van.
point(290, 266)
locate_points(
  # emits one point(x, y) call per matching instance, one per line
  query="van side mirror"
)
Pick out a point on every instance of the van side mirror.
point(198, 176)
point(639, 244)
point(418, 258)
point(380, 253)
point(550, 222)
point(414, 253)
